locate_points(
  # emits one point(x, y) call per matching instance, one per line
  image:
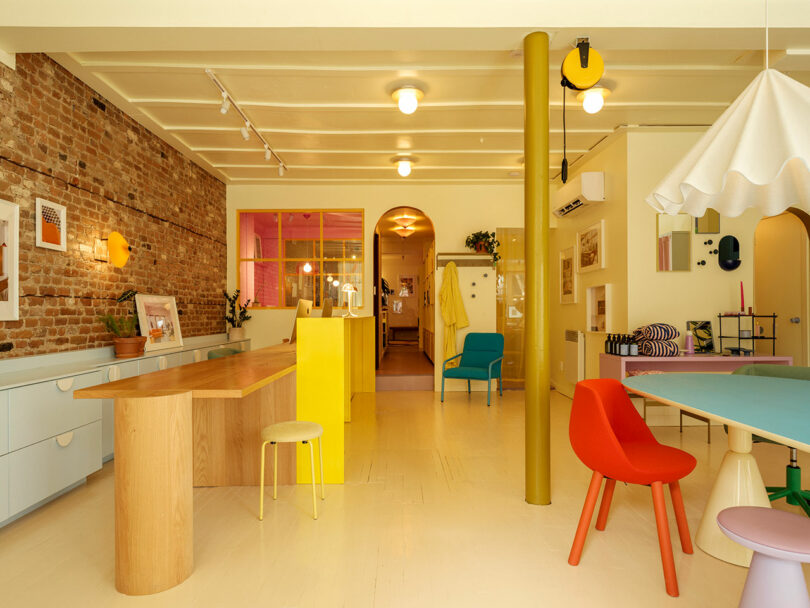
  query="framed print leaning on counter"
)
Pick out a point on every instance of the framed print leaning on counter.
point(159, 322)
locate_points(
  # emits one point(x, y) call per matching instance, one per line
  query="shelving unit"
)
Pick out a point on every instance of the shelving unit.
point(753, 337)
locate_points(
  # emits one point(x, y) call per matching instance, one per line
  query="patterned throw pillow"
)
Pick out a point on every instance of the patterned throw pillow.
point(658, 348)
point(659, 331)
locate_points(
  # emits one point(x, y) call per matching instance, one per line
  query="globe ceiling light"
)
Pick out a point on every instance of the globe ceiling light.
point(404, 164)
point(408, 98)
point(307, 267)
point(593, 99)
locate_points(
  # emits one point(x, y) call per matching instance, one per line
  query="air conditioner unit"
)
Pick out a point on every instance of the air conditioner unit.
point(586, 188)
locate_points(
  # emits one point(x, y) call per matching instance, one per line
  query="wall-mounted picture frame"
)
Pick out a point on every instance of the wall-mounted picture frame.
point(407, 285)
point(51, 225)
point(159, 322)
point(591, 247)
point(9, 261)
point(568, 278)
point(701, 335)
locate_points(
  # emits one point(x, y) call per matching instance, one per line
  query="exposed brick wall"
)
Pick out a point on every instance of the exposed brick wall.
point(61, 141)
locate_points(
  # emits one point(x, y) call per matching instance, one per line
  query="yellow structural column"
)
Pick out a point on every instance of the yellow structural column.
point(536, 218)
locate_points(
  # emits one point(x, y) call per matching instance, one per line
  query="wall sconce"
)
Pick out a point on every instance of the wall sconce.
point(118, 249)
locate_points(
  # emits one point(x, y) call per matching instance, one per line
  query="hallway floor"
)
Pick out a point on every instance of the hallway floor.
point(404, 360)
point(432, 514)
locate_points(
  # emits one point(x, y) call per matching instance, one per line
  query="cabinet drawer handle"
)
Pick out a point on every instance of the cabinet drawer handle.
point(162, 363)
point(64, 439)
point(114, 374)
point(64, 384)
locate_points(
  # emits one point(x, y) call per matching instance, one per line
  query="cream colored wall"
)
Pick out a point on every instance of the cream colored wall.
point(456, 211)
point(403, 258)
point(610, 157)
point(675, 297)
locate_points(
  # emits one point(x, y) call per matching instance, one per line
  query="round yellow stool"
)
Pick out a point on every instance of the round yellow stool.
point(292, 431)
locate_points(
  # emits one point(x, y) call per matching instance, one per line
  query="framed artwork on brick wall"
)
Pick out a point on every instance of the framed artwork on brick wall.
point(157, 316)
point(51, 225)
point(9, 261)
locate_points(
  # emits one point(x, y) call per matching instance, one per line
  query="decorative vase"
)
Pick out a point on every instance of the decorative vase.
point(127, 348)
point(480, 247)
point(236, 333)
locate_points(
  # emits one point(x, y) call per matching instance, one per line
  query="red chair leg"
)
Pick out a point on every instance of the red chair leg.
point(585, 518)
point(604, 508)
point(680, 516)
point(664, 541)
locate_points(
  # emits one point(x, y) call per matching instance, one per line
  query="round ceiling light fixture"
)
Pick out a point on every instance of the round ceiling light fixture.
point(404, 220)
point(307, 267)
point(404, 231)
point(593, 99)
point(404, 164)
point(408, 98)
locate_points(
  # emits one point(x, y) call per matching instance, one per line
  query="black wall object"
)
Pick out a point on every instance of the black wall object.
point(728, 253)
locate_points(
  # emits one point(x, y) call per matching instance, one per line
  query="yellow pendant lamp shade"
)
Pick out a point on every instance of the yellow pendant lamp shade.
point(119, 249)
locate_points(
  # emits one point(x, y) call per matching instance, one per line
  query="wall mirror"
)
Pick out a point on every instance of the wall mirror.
point(728, 253)
point(709, 223)
point(674, 242)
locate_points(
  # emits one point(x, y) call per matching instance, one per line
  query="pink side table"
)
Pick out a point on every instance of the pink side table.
point(781, 542)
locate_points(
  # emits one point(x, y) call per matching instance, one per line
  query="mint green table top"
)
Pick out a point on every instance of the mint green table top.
point(776, 408)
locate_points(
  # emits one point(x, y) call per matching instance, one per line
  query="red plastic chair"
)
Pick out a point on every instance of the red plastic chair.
point(610, 438)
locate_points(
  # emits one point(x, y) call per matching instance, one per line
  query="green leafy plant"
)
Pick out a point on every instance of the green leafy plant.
point(129, 296)
point(482, 241)
point(386, 291)
point(237, 312)
point(121, 327)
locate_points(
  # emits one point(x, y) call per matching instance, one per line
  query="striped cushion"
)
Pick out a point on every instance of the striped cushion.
point(658, 348)
point(659, 331)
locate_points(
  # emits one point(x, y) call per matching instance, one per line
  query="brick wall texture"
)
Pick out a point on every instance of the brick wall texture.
point(63, 142)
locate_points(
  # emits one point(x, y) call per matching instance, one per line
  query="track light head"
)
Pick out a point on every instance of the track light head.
point(267, 154)
point(245, 131)
point(280, 170)
point(226, 103)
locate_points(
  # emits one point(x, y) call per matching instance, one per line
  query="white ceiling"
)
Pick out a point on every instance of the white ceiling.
point(330, 117)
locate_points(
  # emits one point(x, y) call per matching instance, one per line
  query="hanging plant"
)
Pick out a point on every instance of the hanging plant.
point(484, 242)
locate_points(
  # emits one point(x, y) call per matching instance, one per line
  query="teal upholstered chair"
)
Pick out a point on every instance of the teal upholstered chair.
point(222, 352)
point(792, 490)
point(480, 360)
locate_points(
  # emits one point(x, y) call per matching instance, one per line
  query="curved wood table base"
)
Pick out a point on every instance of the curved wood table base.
point(154, 542)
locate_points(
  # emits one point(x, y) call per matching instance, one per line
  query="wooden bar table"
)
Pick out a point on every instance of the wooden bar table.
point(195, 425)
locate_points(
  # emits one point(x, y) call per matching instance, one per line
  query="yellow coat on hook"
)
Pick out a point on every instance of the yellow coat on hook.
point(453, 312)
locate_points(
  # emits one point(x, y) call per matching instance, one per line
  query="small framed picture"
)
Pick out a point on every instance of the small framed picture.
point(51, 225)
point(9, 261)
point(407, 285)
point(568, 279)
point(159, 322)
point(591, 247)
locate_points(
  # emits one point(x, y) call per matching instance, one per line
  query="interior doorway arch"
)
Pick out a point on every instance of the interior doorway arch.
point(781, 282)
point(404, 299)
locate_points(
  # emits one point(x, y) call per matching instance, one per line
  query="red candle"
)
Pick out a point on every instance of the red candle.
point(742, 298)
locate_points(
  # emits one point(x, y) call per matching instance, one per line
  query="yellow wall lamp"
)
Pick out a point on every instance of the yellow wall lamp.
point(114, 249)
point(581, 70)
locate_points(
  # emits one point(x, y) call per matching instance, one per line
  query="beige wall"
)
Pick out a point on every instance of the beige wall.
point(456, 211)
point(676, 297)
point(634, 161)
point(403, 257)
point(610, 157)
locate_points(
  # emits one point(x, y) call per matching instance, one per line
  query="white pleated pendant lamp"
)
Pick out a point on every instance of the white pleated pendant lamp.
point(757, 154)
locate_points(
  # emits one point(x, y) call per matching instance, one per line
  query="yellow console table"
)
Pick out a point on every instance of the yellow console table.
point(335, 360)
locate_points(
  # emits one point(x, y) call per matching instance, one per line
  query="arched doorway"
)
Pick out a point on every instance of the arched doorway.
point(404, 259)
point(781, 285)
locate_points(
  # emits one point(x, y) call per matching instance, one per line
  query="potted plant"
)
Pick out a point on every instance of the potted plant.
point(237, 314)
point(484, 242)
point(127, 343)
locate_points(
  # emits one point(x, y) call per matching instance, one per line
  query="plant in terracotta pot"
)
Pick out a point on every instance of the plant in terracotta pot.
point(237, 314)
point(484, 242)
point(125, 329)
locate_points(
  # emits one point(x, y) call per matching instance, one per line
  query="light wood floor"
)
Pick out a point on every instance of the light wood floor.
point(404, 360)
point(432, 514)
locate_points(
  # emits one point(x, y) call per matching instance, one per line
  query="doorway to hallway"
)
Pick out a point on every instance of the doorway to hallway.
point(404, 259)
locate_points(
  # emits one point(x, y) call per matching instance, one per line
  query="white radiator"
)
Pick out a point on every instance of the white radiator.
point(574, 362)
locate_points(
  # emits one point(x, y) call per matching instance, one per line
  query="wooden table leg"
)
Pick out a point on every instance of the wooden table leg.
point(154, 528)
point(738, 483)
